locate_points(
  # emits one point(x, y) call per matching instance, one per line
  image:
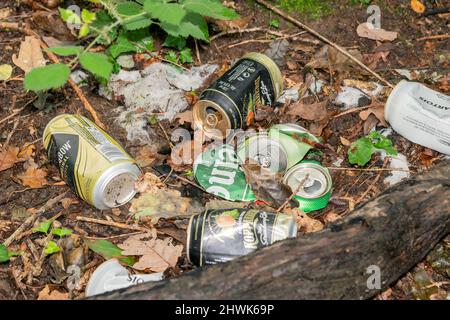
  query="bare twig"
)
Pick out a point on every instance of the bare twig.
point(324, 39)
point(33, 218)
point(436, 37)
point(249, 30)
point(197, 52)
point(112, 224)
point(368, 170)
point(300, 185)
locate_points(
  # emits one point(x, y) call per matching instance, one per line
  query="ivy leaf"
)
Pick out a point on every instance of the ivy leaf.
point(66, 50)
point(171, 13)
point(4, 256)
point(43, 226)
point(360, 151)
point(47, 77)
point(122, 45)
point(62, 232)
point(97, 63)
point(174, 42)
point(185, 56)
point(51, 248)
point(109, 250)
point(209, 8)
point(87, 16)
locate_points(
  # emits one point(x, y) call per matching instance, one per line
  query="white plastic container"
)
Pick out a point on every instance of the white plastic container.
point(420, 114)
point(110, 275)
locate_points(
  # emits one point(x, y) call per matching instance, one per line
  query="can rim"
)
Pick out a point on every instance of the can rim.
point(203, 104)
point(320, 168)
point(188, 240)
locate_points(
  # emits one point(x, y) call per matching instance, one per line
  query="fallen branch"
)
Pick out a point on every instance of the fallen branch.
point(29, 222)
point(435, 37)
point(392, 232)
point(324, 39)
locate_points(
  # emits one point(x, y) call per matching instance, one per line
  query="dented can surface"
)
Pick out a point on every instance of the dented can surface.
point(92, 163)
point(221, 235)
point(231, 102)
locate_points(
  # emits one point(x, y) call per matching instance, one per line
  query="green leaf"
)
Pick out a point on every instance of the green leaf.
point(133, 14)
point(171, 56)
point(62, 232)
point(51, 248)
point(185, 56)
point(4, 256)
point(102, 21)
point(87, 16)
point(43, 226)
point(47, 77)
point(69, 16)
point(171, 13)
point(122, 45)
point(274, 23)
point(360, 151)
point(209, 8)
point(109, 250)
point(175, 42)
point(381, 142)
point(97, 63)
point(66, 50)
point(192, 25)
point(84, 31)
point(152, 119)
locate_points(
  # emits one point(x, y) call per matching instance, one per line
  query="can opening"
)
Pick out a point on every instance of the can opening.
point(119, 190)
point(312, 186)
point(212, 117)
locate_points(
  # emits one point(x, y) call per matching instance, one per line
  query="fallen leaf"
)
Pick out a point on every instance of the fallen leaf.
point(417, 6)
point(235, 24)
point(163, 204)
point(267, 185)
point(312, 112)
point(157, 255)
point(377, 110)
point(148, 183)
point(5, 13)
point(67, 202)
point(185, 116)
point(345, 142)
point(30, 54)
point(304, 222)
point(45, 294)
point(13, 155)
point(33, 177)
point(367, 30)
point(328, 57)
point(147, 157)
point(5, 72)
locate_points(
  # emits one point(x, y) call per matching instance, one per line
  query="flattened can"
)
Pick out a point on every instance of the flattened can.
point(92, 163)
point(217, 170)
point(316, 189)
point(221, 235)
point(231, 101)
point(293, 129)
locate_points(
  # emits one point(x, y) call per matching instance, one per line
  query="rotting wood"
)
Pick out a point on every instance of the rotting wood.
point(393, 232)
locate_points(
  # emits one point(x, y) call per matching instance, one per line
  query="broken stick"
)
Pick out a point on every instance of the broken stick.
point(324, 39)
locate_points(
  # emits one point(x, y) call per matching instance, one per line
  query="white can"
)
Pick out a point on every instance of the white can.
point(420, 114)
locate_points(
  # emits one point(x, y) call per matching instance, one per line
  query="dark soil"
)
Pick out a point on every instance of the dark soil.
point(404, 53)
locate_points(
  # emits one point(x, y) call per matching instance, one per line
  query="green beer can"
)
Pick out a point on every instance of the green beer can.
point(221, 235)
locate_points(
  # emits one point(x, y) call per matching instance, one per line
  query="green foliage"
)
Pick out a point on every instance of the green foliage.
point(313, 8)
point(175, 42)
point(171, 56)
point(43, 226)
point(62, 232)
point(97, 63)
point(361, 150)
point(109, 250)
point(4, 255)
point(47, 77)
point(366, 2)
point(66, 50)
point(122, 45)
point(185, 56)
point(274, 23)
point(51, 248)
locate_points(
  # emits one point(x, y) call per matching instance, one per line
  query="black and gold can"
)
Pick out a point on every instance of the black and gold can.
point(231, 101)
point(221, 235)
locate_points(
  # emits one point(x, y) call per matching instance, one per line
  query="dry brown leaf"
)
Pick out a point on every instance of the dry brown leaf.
point(417, 6)
point(157, 255)
point(313, 112)
point(328, 57)
point(30, 54)
point(367, 30)
point(5, 13)
point(370, 123)
point(377, 110)
point(185, 116)
point(345, 142)
point(147, 156)
point(236, 24)
point(45, 294)
point(67, 202)
point(34, 177)
point(307, 224)
point(13, 155)
point(149, 183)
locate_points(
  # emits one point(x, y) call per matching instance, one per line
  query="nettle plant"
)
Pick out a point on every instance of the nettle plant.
point(123, 27)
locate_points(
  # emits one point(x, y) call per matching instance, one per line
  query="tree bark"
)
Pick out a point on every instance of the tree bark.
point(392, 232)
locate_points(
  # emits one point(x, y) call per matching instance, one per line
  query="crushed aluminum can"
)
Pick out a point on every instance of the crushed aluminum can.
point(217, 170)
point(92, 163)
point(230, 103)
point(222, 235)
point(110, 275)
point(293, 129)
point(420, 114)
point(316, 189)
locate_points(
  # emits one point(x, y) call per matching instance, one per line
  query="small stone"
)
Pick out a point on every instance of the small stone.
point(126, 61)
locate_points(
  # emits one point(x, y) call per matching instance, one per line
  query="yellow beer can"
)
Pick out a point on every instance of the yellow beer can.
point(92, 163)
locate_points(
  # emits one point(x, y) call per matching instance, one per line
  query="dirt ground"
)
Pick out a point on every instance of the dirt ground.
point(350, 187)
